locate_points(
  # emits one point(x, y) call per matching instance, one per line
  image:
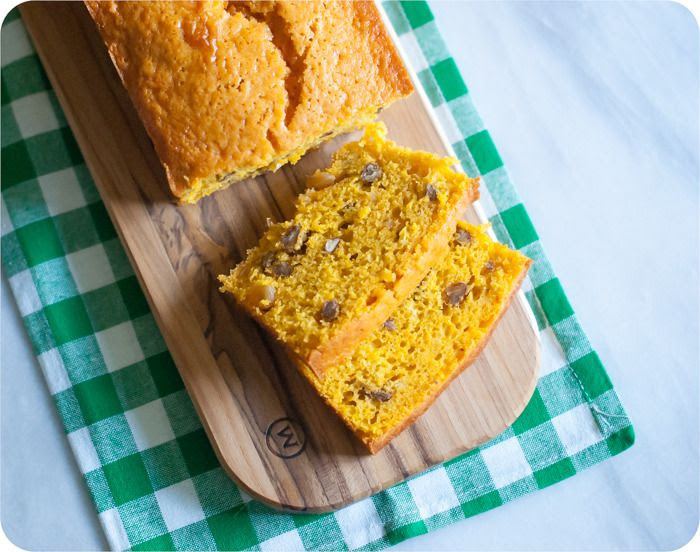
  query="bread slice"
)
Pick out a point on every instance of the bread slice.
point(396, 373)
point(227, 90)
point(355, 249)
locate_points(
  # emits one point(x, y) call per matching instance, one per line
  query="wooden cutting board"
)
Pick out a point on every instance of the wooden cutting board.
point(272, 434)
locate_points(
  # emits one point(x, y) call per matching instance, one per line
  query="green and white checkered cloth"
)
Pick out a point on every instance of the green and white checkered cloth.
point(143, 453)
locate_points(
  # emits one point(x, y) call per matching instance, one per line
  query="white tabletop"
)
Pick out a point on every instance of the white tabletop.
point(594, 107)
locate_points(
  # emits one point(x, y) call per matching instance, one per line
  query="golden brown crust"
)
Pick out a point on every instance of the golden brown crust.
point(230, 87)
point(339, 346)
point(377, 444)
point(386, 55)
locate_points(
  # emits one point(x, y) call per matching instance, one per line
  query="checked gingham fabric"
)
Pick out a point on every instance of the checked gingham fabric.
point(141, 449)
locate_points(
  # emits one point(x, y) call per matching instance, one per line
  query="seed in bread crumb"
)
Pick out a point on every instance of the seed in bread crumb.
point(331, 244)
point(463, 237)
point(320, 180)
point(390, 324)
point(455, 293)
point(431, 192)
point(371, 173)
point(380, 395)
point(262, 296)
point(282, 268)
point(289, 238)
point(330, 310)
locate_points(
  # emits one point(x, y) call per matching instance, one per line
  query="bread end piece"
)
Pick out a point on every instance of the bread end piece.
point(217, 115)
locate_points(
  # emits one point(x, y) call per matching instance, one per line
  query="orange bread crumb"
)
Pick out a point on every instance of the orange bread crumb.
point(399, 370)
point(355, 249)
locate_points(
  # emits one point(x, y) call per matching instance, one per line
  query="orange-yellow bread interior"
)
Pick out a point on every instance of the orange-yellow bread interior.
point(394, 373)
point(380, 207)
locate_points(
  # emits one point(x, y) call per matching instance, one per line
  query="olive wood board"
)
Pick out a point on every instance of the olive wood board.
point(270, 431)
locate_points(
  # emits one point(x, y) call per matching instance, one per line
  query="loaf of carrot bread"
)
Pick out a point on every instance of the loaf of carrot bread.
point(227, 90)
point(366, 232)
point(399, 370)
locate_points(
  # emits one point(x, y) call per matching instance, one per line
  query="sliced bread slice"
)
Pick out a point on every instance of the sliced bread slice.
point(396, 373)
point(366, 232)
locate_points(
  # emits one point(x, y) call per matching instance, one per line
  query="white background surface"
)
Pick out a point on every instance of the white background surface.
point(594, 108)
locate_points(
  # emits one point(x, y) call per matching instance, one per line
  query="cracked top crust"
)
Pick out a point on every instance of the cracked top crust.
point(233, 86)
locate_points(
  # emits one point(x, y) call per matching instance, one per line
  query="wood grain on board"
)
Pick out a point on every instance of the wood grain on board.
point(270, 431)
